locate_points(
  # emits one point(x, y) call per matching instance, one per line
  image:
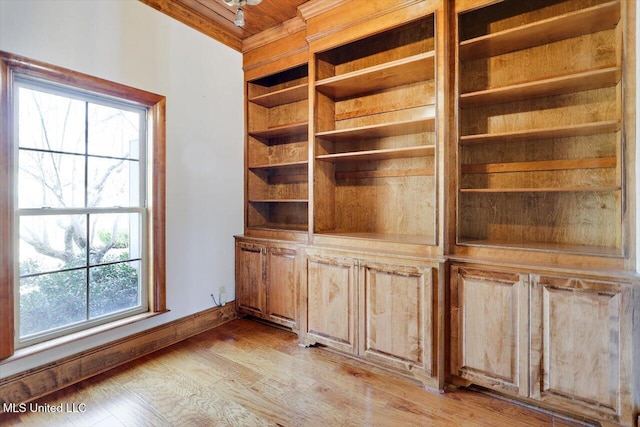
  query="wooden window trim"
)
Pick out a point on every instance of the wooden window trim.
point(10, 65)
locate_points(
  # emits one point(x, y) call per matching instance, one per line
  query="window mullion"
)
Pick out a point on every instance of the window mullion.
point(86, 205)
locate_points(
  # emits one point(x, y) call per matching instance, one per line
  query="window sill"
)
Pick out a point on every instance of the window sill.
point(77, 336)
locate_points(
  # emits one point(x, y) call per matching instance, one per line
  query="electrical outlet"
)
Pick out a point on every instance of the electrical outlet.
point(222, 297)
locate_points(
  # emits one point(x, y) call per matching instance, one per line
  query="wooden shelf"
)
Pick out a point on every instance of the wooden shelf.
point(385, 173)
point(589, 20)
point(385, 130)
point(283, 165)
point(281, 131)
point(281, 227)
point(386, 154)
point(544, 246)
point(283, 96)
point(545, 165)
point(380, 77)
point(278, 201)
point(576, 82)
point(397, 238)
point(541, 189)
point(545, 133)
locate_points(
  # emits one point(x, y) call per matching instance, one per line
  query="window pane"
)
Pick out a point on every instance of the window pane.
point(113, 132)
point(113, 183)
point(114, 288)
point(50, 122)
point(114, 237)
point(50, 180)
point(52, 301)
point(52, 242)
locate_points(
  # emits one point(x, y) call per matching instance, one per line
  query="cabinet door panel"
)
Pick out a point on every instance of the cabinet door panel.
point(489, 326)
point(282, 285)
point(331, 298)
point(396, 323)
point(250, 279)
point(579, 346)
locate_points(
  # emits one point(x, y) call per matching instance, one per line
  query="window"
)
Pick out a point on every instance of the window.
point(82, 205)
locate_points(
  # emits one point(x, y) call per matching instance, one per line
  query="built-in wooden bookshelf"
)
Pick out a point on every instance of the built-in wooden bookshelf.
point(277, 151)
point(540, 127)
point(375, 139)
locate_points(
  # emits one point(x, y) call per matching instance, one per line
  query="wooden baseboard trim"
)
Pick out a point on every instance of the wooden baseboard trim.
point(37, 382)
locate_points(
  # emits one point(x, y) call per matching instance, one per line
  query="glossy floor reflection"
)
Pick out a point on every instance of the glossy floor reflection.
point(245, 373)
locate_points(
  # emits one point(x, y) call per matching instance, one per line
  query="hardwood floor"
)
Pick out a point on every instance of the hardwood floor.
point(246, 373)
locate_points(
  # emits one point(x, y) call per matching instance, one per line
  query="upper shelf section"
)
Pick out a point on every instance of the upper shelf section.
point(590, 20)
point(377, 78)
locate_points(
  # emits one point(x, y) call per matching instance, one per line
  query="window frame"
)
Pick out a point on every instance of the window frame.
point(13, 66)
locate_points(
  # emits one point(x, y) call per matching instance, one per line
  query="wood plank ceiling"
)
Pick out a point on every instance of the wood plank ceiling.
point(215, 19)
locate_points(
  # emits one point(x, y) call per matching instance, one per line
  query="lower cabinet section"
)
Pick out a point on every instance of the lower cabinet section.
point(382, 310)
point(563, 342)
point(267, 280)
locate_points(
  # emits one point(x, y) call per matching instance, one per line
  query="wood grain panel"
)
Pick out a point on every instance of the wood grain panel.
point(282, 285)
point(548, 218)
point(563, 110)
point(579, 348)
point(396, 318)
point(251, 278)
point(332, 298)
point(489, 324)
point(370, 205)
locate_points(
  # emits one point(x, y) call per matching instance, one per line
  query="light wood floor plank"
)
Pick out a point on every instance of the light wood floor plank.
point(246, 373)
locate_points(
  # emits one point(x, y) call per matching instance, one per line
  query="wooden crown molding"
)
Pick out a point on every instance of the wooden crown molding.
point(359, 19)
point(316, 7)
point(287, 28)
point(305, 11)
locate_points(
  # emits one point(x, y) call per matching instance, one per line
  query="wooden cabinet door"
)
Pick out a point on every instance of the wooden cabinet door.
point(489, 328)
point(282, 281)
point(250, 278)
point(396, 315)
point(332, 305)
point(581, 346)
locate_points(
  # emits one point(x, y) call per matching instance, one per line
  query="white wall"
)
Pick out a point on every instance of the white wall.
point(128, 42)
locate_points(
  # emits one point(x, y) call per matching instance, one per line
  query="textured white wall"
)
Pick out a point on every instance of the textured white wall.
point(130, 43)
